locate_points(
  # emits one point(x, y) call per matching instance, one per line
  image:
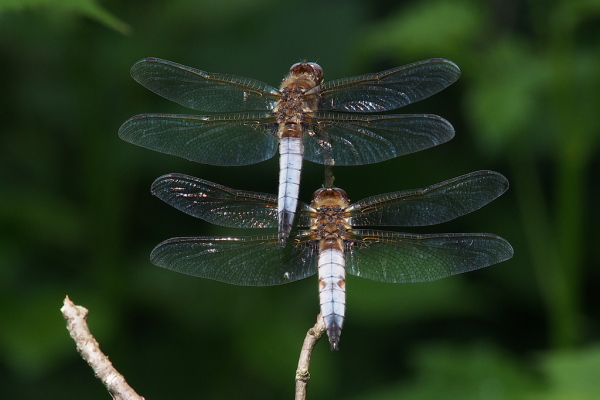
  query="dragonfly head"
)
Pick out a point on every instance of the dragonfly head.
point(330, 197)
point(309, 69)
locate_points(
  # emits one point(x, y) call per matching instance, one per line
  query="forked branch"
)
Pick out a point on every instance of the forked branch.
point(90, 351)
point(115, 383)
point(302, 375)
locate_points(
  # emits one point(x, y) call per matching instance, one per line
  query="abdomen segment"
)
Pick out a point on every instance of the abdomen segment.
point(290, 165)
point(332, 292)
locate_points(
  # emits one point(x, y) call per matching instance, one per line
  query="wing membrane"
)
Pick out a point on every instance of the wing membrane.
point(201, 90)
point(215, 203)
point(363, 139)
point(234, 139)
point(245, 261)
point(407, 258)
point(431, 205)
point(221, 205)
point(391, 89)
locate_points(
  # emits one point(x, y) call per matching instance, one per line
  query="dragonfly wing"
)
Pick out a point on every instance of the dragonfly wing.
point(407, 258)
point(201, 90)
point(304, 215)
point(215, 203)
point(431, 205)
point(362, 139)
point(233, 139)
point(244, 261)
point(391, 89)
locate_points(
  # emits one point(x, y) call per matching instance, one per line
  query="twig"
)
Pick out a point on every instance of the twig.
point(302, 375)
point(329, 178)
point(90, 351)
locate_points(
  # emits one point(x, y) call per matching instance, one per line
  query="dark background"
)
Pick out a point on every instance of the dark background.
point(77, 217)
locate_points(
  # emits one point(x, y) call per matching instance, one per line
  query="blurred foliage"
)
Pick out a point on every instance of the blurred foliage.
point(532, 93)
point(86, 8)
point(77, 217)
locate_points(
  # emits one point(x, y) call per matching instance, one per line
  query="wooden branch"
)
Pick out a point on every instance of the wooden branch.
point(90, 351)
point(302, 375)
point(329, 178)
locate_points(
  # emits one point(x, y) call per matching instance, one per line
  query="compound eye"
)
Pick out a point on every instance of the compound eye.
point(317, 70)
point(319, 192)
point(330, 196)
point(342, 193)
point(307, 68)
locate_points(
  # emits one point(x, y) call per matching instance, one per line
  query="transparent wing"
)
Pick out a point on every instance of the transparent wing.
point(362, 139)
point(431, 205)
point(406, 258)
point(201, 90)
point(244, 261)
point(219, 204)
point(233, 139)
point(391, 89)
point(215, 203)
point(304, 215)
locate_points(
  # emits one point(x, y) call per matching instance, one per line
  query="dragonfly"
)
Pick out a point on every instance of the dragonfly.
point(306, 117)
point(329, 242)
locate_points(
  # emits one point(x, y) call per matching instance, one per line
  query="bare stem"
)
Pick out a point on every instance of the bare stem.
point(329, 178)
point(302, 375)
point(90, 351)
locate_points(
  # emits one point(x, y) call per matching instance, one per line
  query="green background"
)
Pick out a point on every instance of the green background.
point(77, 217)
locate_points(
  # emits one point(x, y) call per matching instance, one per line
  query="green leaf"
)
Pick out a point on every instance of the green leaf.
point(447, 372)
point(427, 29)
point(572, 374)
point(87, 8)
point(504, 99)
